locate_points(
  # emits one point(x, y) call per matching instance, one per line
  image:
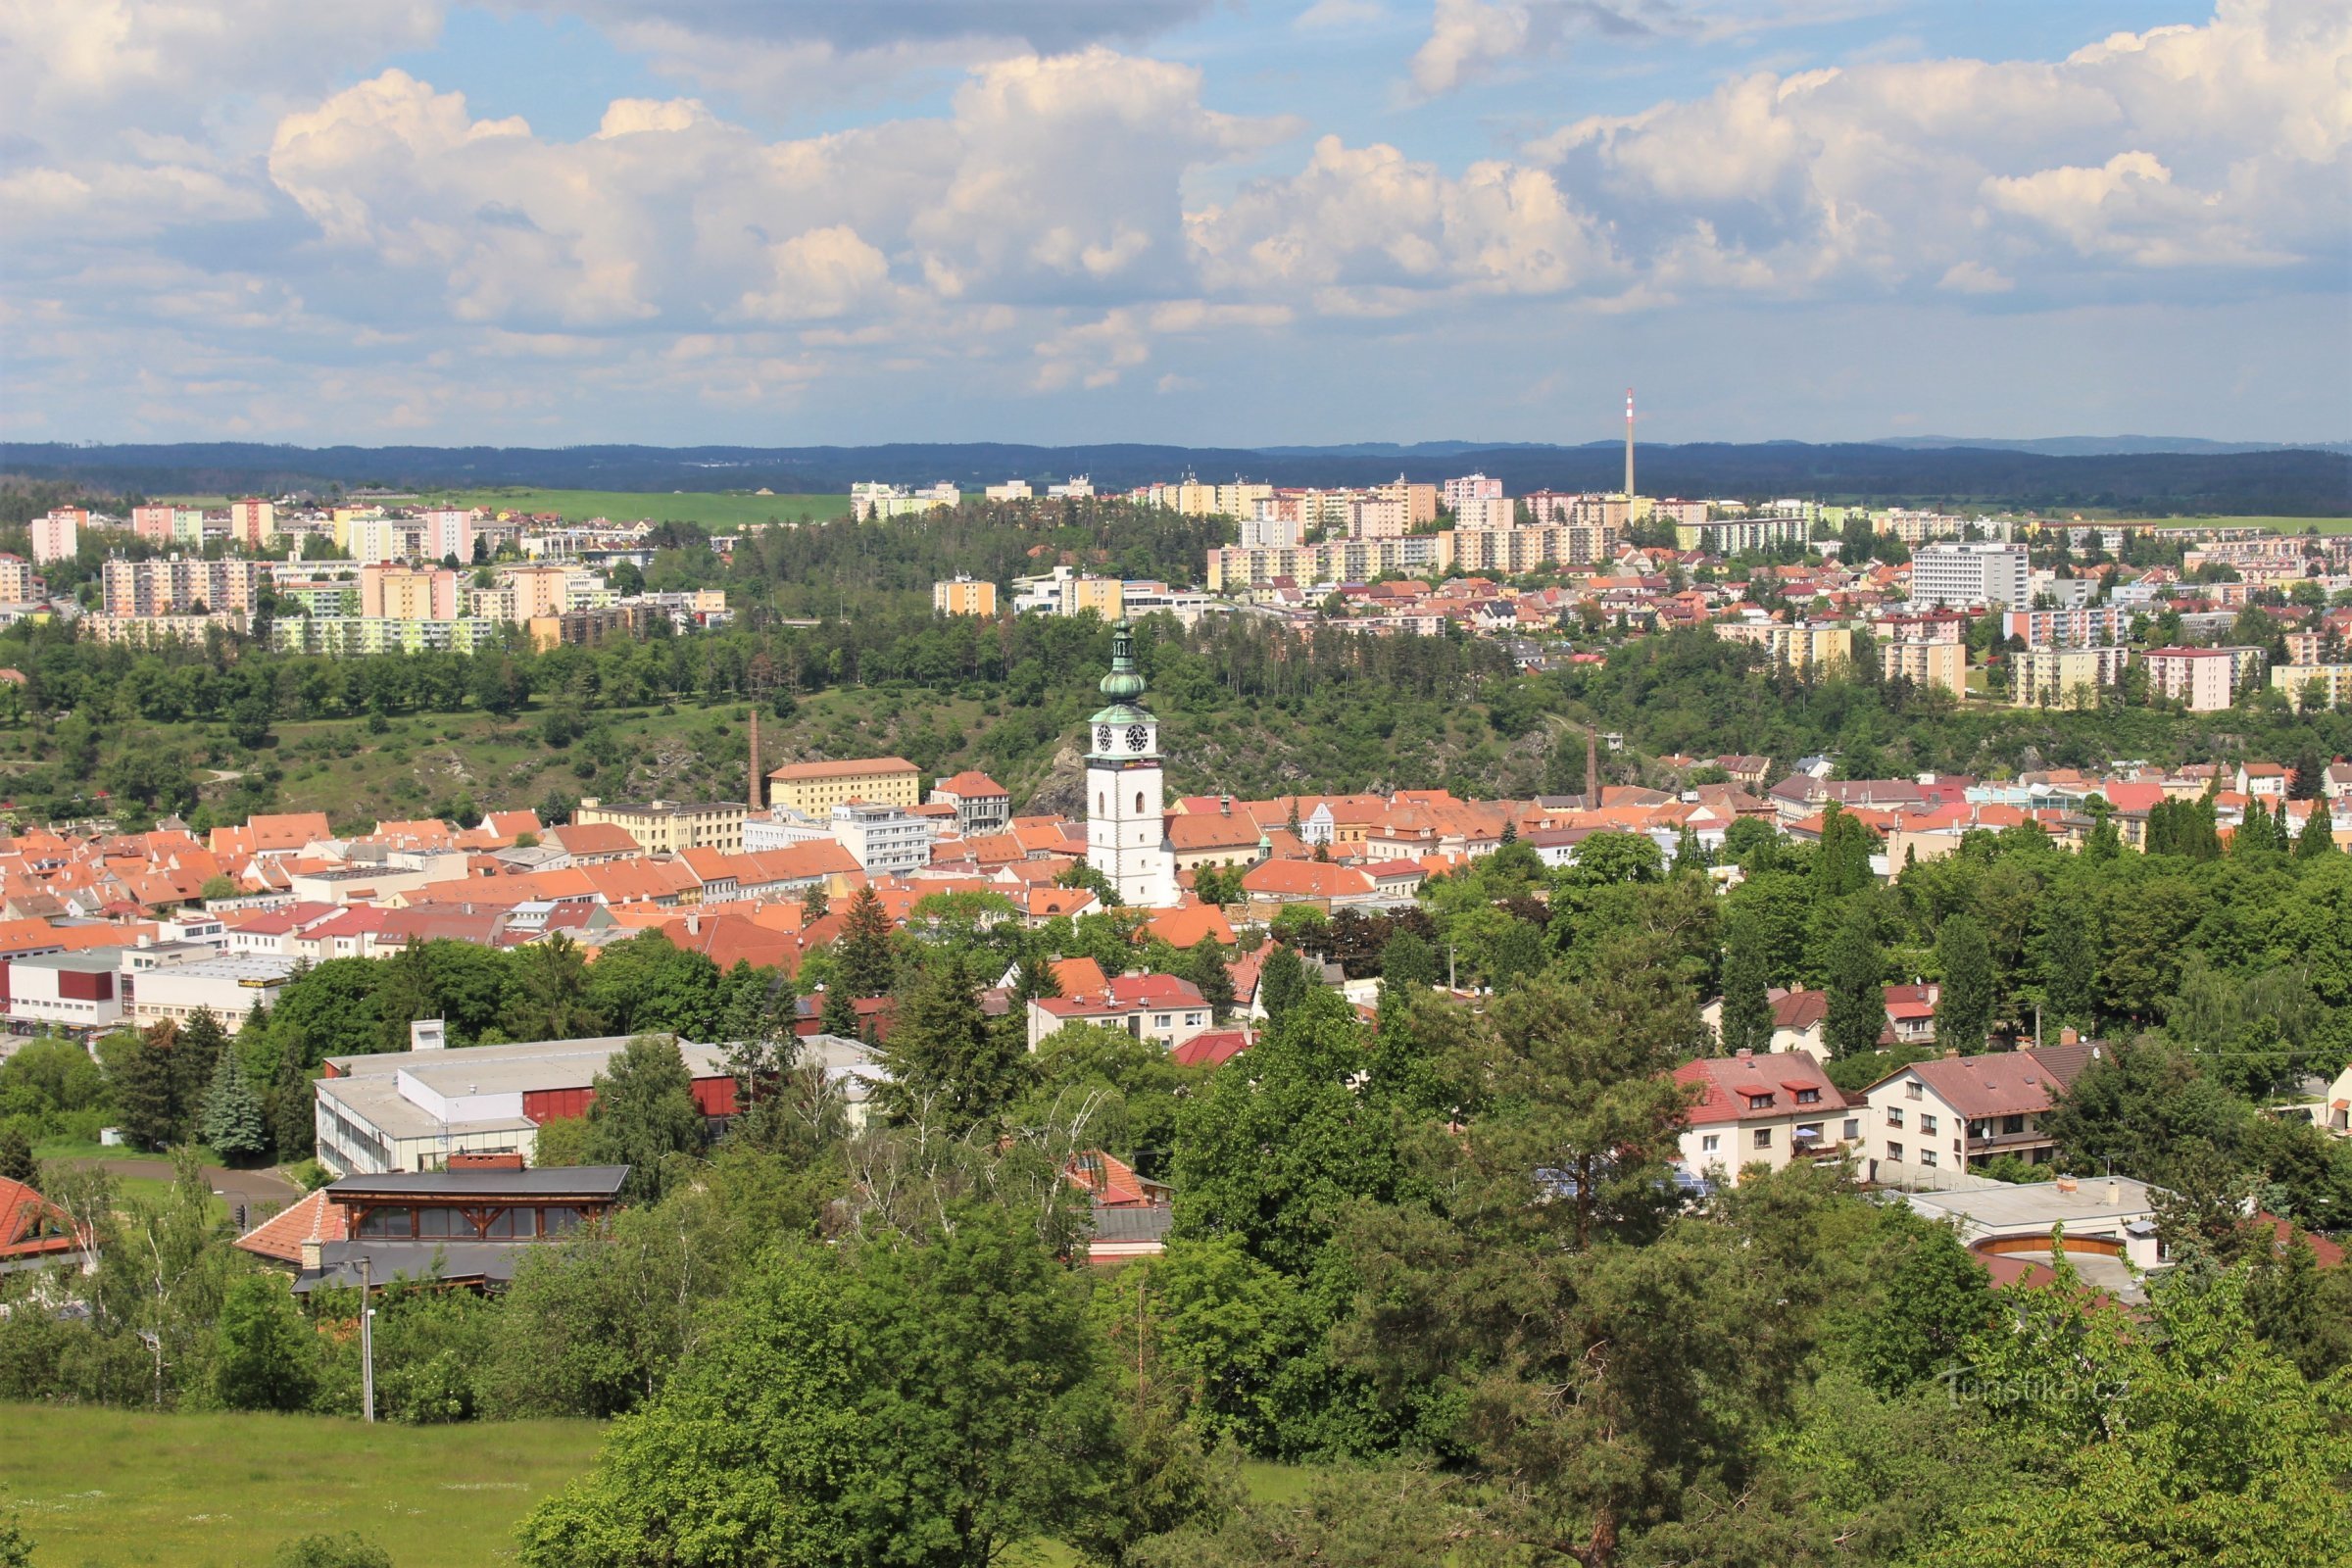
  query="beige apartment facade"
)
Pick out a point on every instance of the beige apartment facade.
point(813, 789)
point(669, 826)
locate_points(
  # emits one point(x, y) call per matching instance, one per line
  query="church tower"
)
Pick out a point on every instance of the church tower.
point(1126, 839)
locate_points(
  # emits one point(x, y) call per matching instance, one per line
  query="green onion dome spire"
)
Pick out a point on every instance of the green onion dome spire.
point(1123, 684)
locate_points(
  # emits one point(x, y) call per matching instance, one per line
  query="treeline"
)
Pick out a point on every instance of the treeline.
point(2253, 483)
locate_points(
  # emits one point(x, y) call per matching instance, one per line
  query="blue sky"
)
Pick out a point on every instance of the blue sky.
point(780, 221)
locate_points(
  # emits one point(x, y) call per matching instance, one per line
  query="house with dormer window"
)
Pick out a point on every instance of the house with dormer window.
point(1767, 1110)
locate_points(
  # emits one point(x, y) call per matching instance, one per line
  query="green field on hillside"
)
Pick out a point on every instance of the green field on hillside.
point(118, 1488)
point(721, 512)
point(115, 1489)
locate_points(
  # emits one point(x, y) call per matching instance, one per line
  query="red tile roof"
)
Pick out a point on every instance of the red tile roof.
point(32, 1226)
point(1778, 1077)
point(312, 1219)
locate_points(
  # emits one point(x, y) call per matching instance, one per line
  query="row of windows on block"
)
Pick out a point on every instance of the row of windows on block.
point(435, 1222)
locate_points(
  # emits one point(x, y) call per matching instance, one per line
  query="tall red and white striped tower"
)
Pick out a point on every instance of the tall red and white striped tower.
point(1629, 445)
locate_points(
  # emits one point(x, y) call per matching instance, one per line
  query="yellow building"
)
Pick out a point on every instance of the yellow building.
point(408, 592)
point(964, 597)
point(1927, 663)
point(2330, 684)
point(813, 789)
point(671, 825)
point(1801, 647)
point(2064, 677)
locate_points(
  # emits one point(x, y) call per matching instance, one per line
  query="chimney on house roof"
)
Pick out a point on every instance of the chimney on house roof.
point(314, 1258)
point(2115, 1193)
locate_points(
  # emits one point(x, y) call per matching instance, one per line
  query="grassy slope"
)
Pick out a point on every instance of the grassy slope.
point(112, 1488)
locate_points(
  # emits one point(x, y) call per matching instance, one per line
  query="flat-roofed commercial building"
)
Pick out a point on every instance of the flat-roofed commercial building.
point(813, 789)
point(72, 990)
point(227, 986)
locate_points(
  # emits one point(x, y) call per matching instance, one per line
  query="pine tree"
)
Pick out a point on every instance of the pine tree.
point(1747, 997)
point(945, 1054)
point(1964, 1006)
point(293, 1114)
point(1281, 985)
point(815, 905)
point(2309, 772)
point(143, 1091)
point(15, 1156)
point(195, 1054)
point(862, 964)
point(2319, 834)
point(231, 1119)
point(1858, 1010)
point(1205, 966)
point(1035, 980)
point(836, 1016)
point(2069, 963)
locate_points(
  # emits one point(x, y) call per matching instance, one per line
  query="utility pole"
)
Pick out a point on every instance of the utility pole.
point(368, 1337)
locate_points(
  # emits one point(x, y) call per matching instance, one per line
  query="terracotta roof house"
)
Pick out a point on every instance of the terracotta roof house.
point(1934, 1117)
point(36, 1233)
point(1764, 1110)
point(1149, 1007)
point(1324, 883)
point(1213, 1049)
point(312, 1222)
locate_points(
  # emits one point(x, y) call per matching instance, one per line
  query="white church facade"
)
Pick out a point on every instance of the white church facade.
point(1126, 836)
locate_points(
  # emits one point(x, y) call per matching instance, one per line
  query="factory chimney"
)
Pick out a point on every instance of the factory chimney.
point(1628, 447)
point(751, 797)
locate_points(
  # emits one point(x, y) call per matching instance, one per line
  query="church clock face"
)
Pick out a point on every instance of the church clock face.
point(1136, 737)
point(1102, 737)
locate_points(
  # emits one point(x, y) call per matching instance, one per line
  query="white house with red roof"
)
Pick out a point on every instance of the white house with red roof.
point(1764, 1110)
point(1149, 1007)
point(1931, 1118)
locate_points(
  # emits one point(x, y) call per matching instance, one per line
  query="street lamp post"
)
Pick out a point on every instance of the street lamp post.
point(368, 1337)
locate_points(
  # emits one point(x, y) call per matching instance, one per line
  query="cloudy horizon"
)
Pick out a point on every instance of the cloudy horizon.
point(554, 221)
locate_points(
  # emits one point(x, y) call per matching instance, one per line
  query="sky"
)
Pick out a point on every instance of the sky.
point(784, 223)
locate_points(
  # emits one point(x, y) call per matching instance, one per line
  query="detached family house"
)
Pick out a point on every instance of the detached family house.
point(1766, 1111)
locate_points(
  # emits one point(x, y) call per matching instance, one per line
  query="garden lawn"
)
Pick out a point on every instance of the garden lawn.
point(112, 1488)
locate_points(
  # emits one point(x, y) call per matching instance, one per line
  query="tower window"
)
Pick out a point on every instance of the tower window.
point(1100, 810)
point(1139, 802)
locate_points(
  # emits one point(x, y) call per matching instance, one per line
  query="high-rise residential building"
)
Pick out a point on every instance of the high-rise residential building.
point(1735, 536)
point(253, 522)
point(16, 581)
point(56, 534)
point(408, 592)
point(965, 596)
point(2063, 677)
point(2199, 678)
point(178, 585)
point(1469, 487)
point(448, 532)
point(1972, 573)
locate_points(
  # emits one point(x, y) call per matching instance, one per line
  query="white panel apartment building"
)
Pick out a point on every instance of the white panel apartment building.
point(1971, 572)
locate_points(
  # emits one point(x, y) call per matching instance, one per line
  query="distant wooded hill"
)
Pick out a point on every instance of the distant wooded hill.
point(2282, 484)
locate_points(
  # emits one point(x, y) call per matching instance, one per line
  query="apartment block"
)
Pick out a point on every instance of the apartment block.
point(16, 581)
point(1735, 536)
point(2079, 628)
point(349, 636)
point(1942, 665)
point(587, 625)
point(2199, 678)
point(669, 826)
point(408, 592)
point(1972, 573)
point(1064, 592)
point(1457, 493)
point(56, 534)
point(1235, 569)
point(2326, 685)
point(175, 585)
point(2064, 677)
point(1801, 647)
point(884, 840)
point(813, 789)
point(965, 596)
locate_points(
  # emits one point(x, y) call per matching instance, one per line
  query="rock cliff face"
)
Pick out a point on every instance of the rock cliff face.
point(1063, 788)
